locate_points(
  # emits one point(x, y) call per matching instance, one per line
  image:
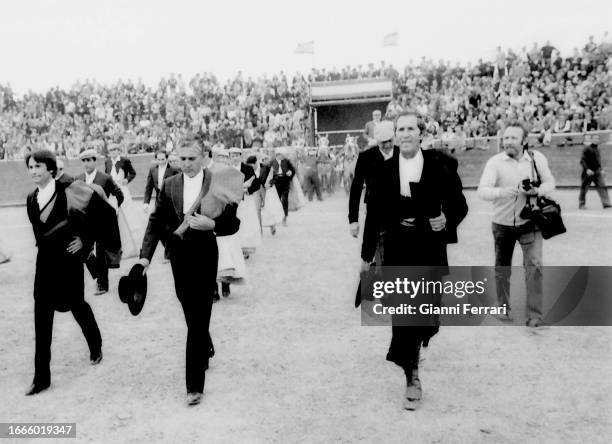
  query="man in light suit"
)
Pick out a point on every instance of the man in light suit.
point(98, 265)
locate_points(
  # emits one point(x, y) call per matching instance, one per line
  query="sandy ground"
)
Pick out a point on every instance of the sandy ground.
point(293, 363)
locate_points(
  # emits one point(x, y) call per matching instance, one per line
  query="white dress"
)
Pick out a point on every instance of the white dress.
point(296, 195)
point(250, 229)
point(231, 266)
point(130, 217)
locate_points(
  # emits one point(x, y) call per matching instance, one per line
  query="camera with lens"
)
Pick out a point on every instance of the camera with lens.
point(531, 210)
point(528, 184)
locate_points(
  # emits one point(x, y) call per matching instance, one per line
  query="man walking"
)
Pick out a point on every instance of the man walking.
point(193, 255)
point(592, 173)
point(98, 264)
point(509, 179)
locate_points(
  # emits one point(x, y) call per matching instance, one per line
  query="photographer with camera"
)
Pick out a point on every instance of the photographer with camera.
point(511, 182)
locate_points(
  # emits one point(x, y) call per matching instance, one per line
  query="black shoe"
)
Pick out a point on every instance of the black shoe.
point(101, 290)
point(37, 388)
point(194, 398)
point(273, 230)
point(581, 207)
point(96, 359)
point(225, 289)
point(215, 295)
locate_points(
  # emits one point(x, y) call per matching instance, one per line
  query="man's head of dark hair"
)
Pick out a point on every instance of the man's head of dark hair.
point(46, 157)
point(251, 160)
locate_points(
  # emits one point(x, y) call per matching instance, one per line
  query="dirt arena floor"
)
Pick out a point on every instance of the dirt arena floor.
point(293, 363)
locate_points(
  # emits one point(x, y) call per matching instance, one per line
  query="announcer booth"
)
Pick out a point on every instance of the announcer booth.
point(343, 107)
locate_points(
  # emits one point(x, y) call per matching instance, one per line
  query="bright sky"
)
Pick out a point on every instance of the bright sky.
point(44, 43)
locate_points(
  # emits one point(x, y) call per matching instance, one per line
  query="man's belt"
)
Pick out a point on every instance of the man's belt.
point(409, 222)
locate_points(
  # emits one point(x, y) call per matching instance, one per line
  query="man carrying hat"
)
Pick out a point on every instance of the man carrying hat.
point(193, 255)
point(98, 264)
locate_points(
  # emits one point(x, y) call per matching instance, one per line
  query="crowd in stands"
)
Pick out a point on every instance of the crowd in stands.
point(554, 93)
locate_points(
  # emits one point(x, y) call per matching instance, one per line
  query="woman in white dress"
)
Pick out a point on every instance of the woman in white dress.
point(132, 221)
point(231, 266)
point(250, 225)
point(272, 212)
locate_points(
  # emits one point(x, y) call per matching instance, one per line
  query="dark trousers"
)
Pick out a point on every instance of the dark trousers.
point(282, 184)
point(599, 182)
point(194, 267)
point(424, 250)
point(313, 184)
point(43, 327)
point(530, 239)
point(98, 267)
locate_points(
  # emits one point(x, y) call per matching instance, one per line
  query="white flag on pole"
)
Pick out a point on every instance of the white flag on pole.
point(305, 48)
point(390, 39)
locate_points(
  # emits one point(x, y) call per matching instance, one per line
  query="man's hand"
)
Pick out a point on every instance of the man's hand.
point(508, 192)
point(533, 191)
point(438, 223)
point(145, 207)
point(590, 172)
point(365, 266)
point(354, 229)
point(200, 222)
point(289, 173)
point(145, 264)
point(75, 246)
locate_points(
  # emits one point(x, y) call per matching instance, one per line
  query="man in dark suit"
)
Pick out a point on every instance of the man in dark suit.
point(283, 172)
point(98, 264)
point(193, 257)
point(157, 174)
point(368, 163)
point(592, 172)
point(155, 179)
point(62, 176)
point(235, 155)
point(58, 282)
point(119, 163)
point(417, 204)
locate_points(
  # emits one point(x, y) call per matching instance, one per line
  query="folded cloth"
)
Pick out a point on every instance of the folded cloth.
point(222, 187)
point(89, 209)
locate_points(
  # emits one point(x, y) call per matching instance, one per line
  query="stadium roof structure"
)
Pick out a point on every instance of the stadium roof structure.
point(350, 91)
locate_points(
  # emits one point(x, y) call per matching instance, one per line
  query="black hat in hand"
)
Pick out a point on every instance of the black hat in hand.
point(133, 289)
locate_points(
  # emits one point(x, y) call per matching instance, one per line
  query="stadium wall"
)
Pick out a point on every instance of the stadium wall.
point(15, 183)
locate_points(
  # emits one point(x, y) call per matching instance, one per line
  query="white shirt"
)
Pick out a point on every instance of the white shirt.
point(410, 171)
point(89, 178)
point(503, 171)
point(191, 189)
point(386, 156)
point(45, 194)
point(161, 170)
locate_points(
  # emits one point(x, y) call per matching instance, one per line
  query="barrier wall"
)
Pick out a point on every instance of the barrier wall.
point(15, 183)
